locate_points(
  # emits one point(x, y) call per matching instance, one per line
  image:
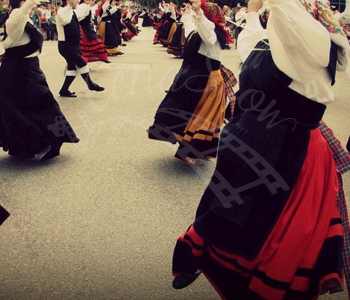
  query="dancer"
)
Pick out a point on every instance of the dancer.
point(267, 226)
point(31, 122)
point(91, 45)
point(69, 47)
point(192, 112)
point(106, 29)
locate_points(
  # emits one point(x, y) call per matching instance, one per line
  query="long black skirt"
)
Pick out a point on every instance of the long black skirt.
point(30, 117)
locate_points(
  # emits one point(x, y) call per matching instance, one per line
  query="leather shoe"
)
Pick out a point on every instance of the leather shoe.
point(96, 87)
point(184, 280)
point(67, 94)
point(119, 53)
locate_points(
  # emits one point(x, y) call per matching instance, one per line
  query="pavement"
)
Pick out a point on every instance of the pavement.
point(101, 220)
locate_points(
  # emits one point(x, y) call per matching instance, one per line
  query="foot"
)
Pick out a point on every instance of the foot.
point(107, 61)
point(119, 53)
point(43, 152)
point(67, 94)
point(184, 280)
point(96, 87)
point(123, 45)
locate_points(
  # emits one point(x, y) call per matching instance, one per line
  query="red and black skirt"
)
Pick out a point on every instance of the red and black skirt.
point(93, 49)
point(267, 226)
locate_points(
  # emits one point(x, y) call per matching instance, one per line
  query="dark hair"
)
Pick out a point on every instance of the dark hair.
point(15, 3)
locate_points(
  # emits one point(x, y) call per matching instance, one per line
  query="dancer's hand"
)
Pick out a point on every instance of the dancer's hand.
point(196, 6)
point(185, 8)
point(255, 5)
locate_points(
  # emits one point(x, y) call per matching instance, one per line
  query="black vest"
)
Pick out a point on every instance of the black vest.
point(35, 44)
point(72, 30)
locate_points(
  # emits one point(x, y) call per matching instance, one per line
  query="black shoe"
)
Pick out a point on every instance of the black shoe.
point(159, 133)
point(96, 87)
point(107, 61)
point(67, 94)
point(123, 45)
point(119, 53)
point(184, 280)
point(43, 152)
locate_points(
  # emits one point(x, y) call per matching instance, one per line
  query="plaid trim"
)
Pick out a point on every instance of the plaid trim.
point(230, 81)
point(342, 161)
point(341, 157)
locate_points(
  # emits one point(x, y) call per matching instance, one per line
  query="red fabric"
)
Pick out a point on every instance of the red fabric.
point(300, 233)
point(93, 50)
point(303, 226)
point(215, 14)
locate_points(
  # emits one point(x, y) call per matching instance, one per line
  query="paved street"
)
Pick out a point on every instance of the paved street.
point(101, 220)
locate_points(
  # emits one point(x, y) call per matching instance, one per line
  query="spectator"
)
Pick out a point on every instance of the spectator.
point(52, 21)
point(34, 16)
point(46, 26)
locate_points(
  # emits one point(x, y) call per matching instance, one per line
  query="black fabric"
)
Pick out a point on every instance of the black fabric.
point(332, 65)
point(177, 37)
point(196, 60)
point(329, 261)
point(164, 29)
point(177, 107)
point(35, 44)
point(4, 214)
point(180, 102)
point(221, 37)
point(71, 52)
point(110, 39)
point(348, 145)
point(88, 28)
point(72, 30)
point(234, 286)
point(231, 285)
point(260, 72)
point(265, 145)
point(30, 117)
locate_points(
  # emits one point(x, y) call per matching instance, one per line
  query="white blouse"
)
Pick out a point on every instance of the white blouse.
point(210, 46)
point(16, 23)
point(316, 87)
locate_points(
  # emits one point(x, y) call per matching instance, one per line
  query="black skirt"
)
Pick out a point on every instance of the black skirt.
point(30, 117)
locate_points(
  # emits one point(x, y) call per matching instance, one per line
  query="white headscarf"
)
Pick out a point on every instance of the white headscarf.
point(302, 30)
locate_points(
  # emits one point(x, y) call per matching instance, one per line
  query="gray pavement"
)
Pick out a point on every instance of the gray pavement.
point(101, 220)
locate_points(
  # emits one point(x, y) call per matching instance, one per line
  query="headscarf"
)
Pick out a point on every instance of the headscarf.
point(99, 10)
point(215, 14)
point(302, 30)
point(321, 11)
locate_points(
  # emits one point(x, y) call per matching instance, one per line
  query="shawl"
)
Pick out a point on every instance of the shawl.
point(215, 14)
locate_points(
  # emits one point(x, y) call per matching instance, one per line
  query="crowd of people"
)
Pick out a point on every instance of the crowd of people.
point(273, 221)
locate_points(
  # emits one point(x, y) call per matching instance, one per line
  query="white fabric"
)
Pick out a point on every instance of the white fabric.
point(15, 25)
point(253, 32)
point(300, 45)
point(189, 22)
point(305, 65)
point(210, 46)
point(106, 8)
point(64, 17)
point(82, 11)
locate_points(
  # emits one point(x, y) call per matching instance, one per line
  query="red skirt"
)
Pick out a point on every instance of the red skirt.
point(93, 50)
point(301, 257)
